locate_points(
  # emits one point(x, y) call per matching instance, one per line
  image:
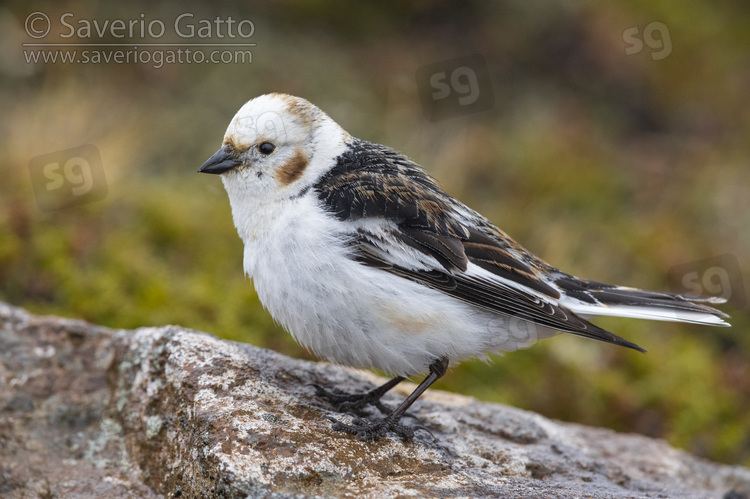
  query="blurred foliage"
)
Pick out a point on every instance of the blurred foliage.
point(609, 166)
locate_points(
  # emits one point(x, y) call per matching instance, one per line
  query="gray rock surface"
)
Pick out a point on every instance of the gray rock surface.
point(168, 412)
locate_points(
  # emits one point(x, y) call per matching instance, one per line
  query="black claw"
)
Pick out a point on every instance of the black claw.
point(331, 394)
point(347, 402)
point(372, 431)
point(420, 427)
point(363, 430)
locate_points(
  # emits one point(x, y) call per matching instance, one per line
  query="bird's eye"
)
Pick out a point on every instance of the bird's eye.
point(266, 148)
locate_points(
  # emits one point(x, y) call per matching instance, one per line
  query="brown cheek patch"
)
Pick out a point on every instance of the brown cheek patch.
point(292, 169)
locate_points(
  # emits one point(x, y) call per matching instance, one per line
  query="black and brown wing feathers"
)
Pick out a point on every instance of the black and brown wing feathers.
point(371, 181)
point(374, 181)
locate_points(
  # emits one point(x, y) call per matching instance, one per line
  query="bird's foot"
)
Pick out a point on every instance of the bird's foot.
point(373, 431)
point(348, 402)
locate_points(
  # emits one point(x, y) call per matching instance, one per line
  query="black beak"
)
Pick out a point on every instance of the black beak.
point(220, 162)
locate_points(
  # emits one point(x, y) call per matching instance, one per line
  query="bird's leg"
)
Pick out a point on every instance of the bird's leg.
point(346, 402)
point(373, 431)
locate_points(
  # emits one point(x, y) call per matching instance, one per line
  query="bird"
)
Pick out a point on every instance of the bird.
point(359, 254)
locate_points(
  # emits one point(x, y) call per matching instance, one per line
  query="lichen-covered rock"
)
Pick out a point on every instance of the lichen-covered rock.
point(90, 412)
point(54, 438)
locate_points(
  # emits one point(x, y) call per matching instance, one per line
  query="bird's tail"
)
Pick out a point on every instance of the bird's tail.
point(589, 298)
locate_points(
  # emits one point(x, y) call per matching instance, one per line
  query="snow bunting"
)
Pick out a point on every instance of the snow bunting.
point(359, 254)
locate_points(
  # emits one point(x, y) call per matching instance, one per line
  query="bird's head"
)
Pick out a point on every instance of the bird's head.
point(275, 146)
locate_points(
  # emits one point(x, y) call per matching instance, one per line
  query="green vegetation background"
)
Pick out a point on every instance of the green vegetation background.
point(609, 166)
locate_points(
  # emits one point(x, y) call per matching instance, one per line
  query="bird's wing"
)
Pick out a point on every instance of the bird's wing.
point(404, 224)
